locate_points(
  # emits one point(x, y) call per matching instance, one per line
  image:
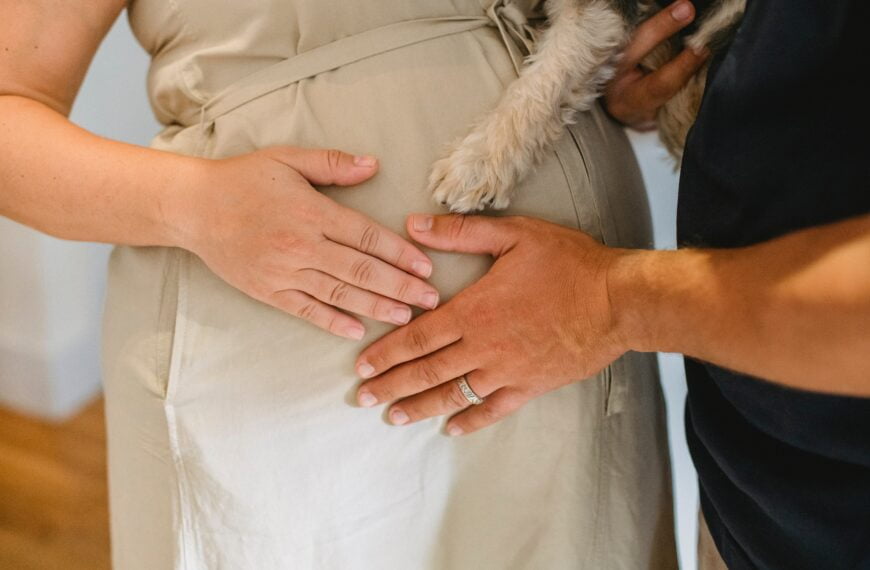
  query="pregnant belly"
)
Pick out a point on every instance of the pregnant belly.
point(253, 394)
point(402, 106)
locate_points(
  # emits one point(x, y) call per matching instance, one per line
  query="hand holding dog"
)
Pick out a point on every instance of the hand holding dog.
point(634, 96)
point(538, 320)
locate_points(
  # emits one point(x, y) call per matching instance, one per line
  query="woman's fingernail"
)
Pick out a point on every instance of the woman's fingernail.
point(398, 417)
point(455, 430)
point(365, 370)
point(365, 161)
point(429, 300)
point(681, 12)
point(400, 315)
point(366, 399)
point(422, 268)
point(356, 332)
point(422, 223)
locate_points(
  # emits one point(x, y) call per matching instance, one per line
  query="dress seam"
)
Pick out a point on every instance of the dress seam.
point(601, 490)
point(177, 349)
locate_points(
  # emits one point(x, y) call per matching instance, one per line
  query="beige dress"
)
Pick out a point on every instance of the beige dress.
point(234, 439)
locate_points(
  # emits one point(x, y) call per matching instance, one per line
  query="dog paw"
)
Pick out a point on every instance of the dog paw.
point(470, 178)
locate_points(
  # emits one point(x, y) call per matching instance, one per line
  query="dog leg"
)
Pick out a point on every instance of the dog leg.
point(677, 116)
point(718, 28)
point(564, 75)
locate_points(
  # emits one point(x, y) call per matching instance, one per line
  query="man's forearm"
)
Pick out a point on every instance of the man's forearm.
point(62, 180)
point(795, 310)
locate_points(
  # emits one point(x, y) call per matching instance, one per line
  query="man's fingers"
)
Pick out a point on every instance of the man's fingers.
point(418, 375)
point(361, 233)
point(326, 167)
point(320, 314)
point(446, 398)
point(661, 85)
point(426, 334)
point(467, 234)
point(656, 30)
point(497, 406)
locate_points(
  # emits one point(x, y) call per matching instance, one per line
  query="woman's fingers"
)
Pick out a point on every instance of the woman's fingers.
point(318, 313)
point(344, 296)
point(325, 166)
point(345, 226)
point(359, 232)
point(290, 255)
point(417, 376)
point(655, 30)
point(372, 274)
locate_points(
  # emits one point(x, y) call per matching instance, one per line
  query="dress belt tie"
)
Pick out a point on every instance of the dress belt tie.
point(515, 29)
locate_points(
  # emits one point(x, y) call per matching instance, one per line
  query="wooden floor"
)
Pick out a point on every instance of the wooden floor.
point(53, 504)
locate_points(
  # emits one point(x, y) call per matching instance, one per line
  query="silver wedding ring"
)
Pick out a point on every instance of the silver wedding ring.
point(467, 391)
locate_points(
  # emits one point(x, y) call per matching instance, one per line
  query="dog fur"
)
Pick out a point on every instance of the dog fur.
point(572, 62)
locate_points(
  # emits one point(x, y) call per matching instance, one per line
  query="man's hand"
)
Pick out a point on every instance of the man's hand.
point(540, 319)
point(557, 306)
point(634, 96)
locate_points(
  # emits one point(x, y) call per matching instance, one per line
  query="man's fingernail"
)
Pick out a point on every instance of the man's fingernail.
point(365, 370)
point(682, 11)
point(366, 399)
point(422, 268)
point(422, 223)
point(398, 417)
point(400, 315)
point(455, 430)
point(429, 300)
point(365, 161)
point(356, 332)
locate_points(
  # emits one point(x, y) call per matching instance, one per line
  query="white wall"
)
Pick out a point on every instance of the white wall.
point(51, 291)
point(661, 183)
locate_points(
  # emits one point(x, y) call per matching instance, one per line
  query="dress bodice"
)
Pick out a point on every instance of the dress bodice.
point(199, 47)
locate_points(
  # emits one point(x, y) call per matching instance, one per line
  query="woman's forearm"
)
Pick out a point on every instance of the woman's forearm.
point(66, 182)
point(254, 219)
point(795, 310)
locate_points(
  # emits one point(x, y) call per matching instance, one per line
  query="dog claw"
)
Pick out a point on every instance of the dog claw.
point(466, 179)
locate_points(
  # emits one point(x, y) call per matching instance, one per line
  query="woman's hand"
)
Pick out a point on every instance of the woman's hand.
point(540, 319)
point(633, 96)
point(257, 222)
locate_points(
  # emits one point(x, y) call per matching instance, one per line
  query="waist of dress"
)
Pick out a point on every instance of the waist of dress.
point(515, 30)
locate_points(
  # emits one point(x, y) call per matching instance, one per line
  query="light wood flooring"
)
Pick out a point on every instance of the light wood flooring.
point(53, 497)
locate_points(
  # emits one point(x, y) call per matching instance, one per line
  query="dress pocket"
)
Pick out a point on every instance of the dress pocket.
point(573, 160)
point(613, 388)
point(173, 300)
point(588, 218)
point(607, 193)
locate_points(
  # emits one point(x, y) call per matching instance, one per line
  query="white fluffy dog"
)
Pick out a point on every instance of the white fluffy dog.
point(572, 61)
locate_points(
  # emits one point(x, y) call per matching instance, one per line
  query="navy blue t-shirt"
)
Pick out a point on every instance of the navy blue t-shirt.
point(781, 143)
